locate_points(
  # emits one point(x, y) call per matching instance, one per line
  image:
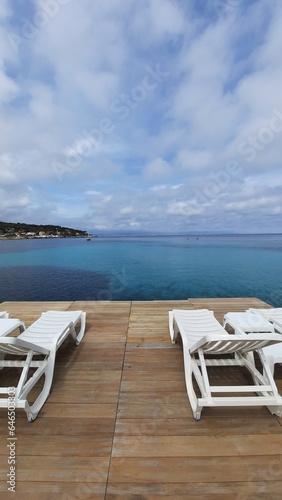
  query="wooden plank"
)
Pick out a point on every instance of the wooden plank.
point(146, 375)
point(196, 446)
point(84, 373)
point(82, 410)
point(225, 490)
point(62, 446)
point(153, 385)
point(156, 405)
point(221, 306)
point(228, 426)
point(55, 469)
point(82, 395)
point(55, 490)
point(196, 469)
point(149, 320)
point(53, 426)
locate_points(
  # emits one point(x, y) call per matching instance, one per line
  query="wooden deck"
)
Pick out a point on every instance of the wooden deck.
point(118, 424)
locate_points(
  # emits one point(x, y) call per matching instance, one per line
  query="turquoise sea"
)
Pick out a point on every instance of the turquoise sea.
point(142, 268)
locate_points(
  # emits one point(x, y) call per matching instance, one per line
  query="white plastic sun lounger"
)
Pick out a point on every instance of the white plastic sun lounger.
point(203, 335)
point(272, 353)
point(42, 338)
point(274, 315)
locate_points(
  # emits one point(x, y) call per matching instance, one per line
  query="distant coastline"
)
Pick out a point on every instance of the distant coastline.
point(36, 237)
point(20, 231)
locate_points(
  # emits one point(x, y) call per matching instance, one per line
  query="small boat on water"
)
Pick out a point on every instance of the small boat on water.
point(89, 238)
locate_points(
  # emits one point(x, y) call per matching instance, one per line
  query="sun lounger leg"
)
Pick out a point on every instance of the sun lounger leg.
point(171, 327)
point(78, 336)
point(37, 405)
point(188, 363)
point(275, 410)
point(47, 371)
point(197, 414)
point(270, 362)
point(81, 332)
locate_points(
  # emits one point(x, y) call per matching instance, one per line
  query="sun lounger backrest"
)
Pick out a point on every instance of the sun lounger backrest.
point(198, 323)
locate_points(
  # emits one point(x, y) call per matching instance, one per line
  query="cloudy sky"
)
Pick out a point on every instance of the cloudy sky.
point(149, 115)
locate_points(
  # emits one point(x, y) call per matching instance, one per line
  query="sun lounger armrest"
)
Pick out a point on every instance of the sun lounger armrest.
point(214, 338)
point(215, 343)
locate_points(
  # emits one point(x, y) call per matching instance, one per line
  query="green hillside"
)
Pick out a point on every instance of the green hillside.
point(22, 230)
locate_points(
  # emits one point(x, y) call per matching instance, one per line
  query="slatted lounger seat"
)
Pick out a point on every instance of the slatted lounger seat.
point(203, 335)
point(42, 338)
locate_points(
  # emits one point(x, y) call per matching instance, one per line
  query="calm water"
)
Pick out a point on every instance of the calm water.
point(144, 268)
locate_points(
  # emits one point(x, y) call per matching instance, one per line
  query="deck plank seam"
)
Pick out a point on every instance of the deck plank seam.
point(117, 404)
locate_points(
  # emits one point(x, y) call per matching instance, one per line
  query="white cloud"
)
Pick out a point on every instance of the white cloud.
point(158, 168)
point(184, 208)
point(93, 193)
point(194, 160)
point(97, 87)
point(5, 10)
point(160, 19)
point(8, 88)
point(126, 210)
point(158, 187)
